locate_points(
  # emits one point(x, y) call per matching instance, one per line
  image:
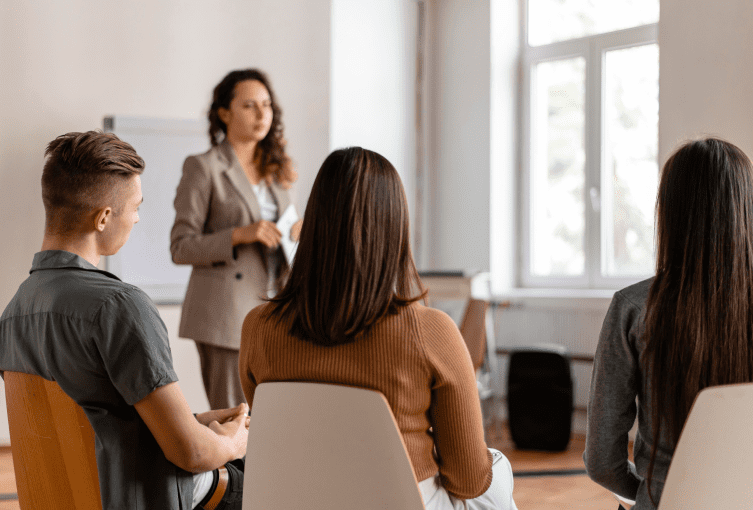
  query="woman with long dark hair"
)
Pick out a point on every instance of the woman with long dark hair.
point(226, 206)
point(350, 314)
point(689, 327)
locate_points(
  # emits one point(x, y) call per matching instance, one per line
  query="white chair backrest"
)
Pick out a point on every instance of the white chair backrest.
point(322, 446)
point(712, 466)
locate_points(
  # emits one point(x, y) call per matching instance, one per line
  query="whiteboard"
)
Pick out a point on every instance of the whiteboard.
point(145, 259)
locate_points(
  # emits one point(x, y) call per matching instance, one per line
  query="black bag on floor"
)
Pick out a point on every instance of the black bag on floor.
point(540, 399)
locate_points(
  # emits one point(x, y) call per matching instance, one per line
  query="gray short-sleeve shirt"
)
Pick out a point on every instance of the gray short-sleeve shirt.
point(104, 343)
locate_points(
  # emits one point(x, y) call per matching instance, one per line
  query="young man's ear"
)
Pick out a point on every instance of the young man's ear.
point(101, 218)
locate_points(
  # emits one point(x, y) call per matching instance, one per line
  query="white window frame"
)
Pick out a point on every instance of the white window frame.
point(593, 49)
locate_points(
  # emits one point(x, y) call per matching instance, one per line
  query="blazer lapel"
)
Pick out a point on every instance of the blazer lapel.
point(281, 196)
point(238, 179)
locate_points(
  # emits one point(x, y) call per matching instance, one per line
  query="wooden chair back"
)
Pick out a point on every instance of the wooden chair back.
point(473, 329)
point(325, 447)
point(712, 465)
point(52, 444)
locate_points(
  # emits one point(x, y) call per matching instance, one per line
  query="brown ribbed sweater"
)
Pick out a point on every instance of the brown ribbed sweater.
point(417, 359)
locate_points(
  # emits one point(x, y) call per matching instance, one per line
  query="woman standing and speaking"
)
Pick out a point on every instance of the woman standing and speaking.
point(226, 206)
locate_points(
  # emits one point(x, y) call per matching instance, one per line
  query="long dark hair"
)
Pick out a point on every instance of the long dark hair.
point(354, 264)
point(273, 160)
point(699, 312)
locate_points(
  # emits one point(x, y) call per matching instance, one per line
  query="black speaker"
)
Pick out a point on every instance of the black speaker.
point(540, 399)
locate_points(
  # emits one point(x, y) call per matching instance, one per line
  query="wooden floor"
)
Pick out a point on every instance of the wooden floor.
point(550, 492)
point(7, 479)
point(554, 491)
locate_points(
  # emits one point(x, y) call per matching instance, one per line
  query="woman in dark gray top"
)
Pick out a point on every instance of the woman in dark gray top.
point(691, 326)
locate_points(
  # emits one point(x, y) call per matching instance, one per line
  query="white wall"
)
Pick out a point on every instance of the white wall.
point(706, 76)
point(65, 65)
point(504, 141)
point(459, 139)
point(373, 72)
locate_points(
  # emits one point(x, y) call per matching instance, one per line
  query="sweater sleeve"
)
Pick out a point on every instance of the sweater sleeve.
point(611, 405)
point(188, 242)
point(248, 381)
point(465, 463)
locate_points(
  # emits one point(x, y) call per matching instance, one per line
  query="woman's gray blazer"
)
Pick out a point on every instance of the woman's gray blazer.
point(213, 198)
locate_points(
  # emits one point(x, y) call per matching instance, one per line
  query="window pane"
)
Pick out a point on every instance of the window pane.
point(558, 168)
point(630, 170)
point(558, 20)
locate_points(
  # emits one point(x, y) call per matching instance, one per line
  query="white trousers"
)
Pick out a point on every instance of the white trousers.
point(497, 497)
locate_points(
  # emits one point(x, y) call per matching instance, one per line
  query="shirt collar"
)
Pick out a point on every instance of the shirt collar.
point(59, 259)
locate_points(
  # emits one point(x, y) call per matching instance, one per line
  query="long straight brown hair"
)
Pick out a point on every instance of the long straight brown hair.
point(699, 312)
point(354, 264)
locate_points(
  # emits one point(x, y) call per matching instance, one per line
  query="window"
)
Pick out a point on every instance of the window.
point(590, 142)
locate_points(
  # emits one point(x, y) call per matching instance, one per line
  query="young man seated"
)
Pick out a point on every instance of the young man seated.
point(104, 343)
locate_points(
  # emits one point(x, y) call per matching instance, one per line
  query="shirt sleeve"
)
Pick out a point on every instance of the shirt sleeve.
point(134, 345)
point(465, 463)
point(188, 242)
point(612, 405)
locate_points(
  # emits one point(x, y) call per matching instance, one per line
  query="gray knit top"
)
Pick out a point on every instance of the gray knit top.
point(619, 393)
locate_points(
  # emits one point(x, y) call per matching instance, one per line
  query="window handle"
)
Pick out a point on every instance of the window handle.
point(595, 199)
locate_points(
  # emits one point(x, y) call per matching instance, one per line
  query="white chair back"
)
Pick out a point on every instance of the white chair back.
point(712, 466)
point(325, 447)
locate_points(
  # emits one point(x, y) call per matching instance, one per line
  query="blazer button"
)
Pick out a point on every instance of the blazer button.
point(238, 276)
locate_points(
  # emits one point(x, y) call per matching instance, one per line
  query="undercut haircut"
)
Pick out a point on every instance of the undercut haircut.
point(85, 172)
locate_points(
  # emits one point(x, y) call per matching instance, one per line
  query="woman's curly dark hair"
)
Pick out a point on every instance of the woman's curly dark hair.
point(273, 161)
